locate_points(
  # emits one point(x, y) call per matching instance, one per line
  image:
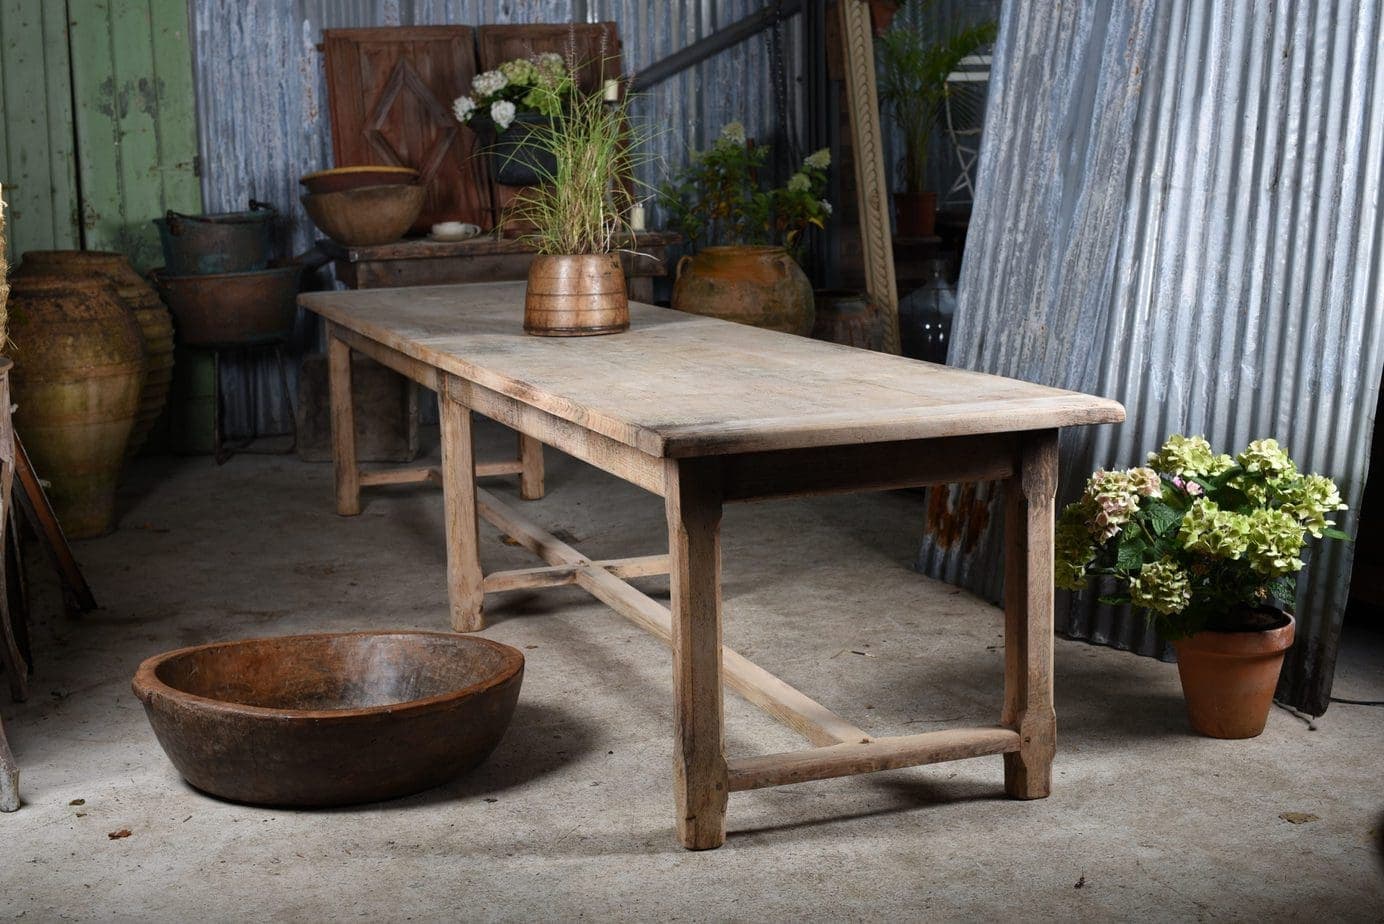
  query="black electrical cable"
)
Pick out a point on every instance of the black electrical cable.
point(1358, 702)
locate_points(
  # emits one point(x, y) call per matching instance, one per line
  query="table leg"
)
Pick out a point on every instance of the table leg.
point(9, 776)
point(459, 513)
point(346, 466)
point(531, 476)
point(1028, 626)
point(693, 506)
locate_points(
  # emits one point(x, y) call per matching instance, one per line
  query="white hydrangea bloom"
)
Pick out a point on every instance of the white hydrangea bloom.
point(463, 107)
point(826, 206)
point(818, 160)
point(799, 182)
point(733, 132)
point(502, 113)
point(488, 83)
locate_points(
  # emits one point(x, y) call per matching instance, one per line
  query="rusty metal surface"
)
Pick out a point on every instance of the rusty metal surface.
point(1179, 208)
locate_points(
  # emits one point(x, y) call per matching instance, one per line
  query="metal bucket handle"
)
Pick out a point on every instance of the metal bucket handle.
point(175, 220)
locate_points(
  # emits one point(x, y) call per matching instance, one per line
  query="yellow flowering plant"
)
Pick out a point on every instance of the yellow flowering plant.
point(1195, 539)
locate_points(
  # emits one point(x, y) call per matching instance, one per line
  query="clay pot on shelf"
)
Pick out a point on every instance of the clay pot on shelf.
point(155, 325)
point(367, 215)
point(750, 284)
point(576, 296)
point(848, 316)
point(916, 214)
point(1228, 678)
point(79, 366)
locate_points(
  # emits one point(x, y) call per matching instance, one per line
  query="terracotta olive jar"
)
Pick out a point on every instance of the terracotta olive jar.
point(751, 284)
point(79, 366)
point(1228, 678)
point(155, 323)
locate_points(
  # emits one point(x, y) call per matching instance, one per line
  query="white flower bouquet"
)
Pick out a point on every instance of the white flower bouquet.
point(538, 84)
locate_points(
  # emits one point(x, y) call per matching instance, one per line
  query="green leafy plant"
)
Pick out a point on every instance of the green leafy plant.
point(913, 73)
point(1197, 540)
point(580, 205)
point(719, 197)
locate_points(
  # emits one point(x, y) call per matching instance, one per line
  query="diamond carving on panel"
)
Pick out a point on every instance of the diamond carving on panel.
point(404, 79)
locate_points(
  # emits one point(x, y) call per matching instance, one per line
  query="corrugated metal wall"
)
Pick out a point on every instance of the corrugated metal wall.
point(1179, 208)
point(262, 94)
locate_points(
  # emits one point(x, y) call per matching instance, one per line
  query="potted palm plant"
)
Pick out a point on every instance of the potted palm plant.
point(913, 70)
point(577, 214)
point(1208, 546)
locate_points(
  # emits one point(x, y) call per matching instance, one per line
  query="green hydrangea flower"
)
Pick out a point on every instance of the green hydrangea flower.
point(520, 71)
point(1275, 539)
point(1219, 533)
point(1073, 546)
point(1162, 587)
point(1189, 457)
point(1310, 499)
point(1267, 458)
point(1146, 481)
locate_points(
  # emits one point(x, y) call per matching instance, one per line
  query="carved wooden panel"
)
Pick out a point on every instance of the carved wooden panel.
point(390, 93)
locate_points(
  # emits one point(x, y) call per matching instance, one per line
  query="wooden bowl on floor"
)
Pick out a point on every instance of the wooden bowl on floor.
point(339, 178)
point(367, 215)
point(333, 719)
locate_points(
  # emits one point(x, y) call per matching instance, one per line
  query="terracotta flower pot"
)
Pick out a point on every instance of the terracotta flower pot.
point(916, 214)
point(763, 286)
point(576, 296)
point(1228, 678)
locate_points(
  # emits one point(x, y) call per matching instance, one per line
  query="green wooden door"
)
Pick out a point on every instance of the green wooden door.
point(37, 164)
point(136, 121)
point(99, 123)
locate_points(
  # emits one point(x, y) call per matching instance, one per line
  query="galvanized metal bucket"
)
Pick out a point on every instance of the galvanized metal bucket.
point(231, 242)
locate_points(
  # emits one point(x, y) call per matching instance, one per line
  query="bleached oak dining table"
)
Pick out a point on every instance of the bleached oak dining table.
point(704, 412)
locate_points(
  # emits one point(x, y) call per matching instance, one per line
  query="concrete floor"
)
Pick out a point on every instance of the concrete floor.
point(572, 816)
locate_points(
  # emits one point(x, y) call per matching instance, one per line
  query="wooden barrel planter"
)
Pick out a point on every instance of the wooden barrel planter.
point(155, 324)
point(79, 367)
point(576, 296)
point(758, 285)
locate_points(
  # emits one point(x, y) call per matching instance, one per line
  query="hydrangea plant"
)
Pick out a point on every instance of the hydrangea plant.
point(1195, 539)
point(719, 198)
point(537, 84)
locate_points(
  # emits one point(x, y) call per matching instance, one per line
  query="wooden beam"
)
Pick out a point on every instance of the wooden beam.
point(559, 575)
point(869, 757)
point(876, 467)
point(607, 454)
point(399, 476)
point(343, 415)
point(807, 717)
point(410, 368)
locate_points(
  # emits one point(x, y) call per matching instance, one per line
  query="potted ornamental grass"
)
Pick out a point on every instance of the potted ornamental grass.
point(747, 234)
point(513, 107)
point(577, 214)
point(1209, 547)
point(913, 71)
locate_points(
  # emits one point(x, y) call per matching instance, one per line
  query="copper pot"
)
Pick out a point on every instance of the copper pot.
point(576, 296)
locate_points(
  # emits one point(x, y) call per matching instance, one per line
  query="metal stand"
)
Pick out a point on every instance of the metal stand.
point(222, 451)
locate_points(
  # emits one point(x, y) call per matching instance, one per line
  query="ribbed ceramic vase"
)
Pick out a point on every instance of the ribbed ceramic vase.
point(79, 366)
point(155, 324)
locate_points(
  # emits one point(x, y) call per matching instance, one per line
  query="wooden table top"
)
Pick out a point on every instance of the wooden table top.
point(679, 385)
point(483, 245)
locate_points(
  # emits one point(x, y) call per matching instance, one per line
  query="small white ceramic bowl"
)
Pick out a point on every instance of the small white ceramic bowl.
point(454, 231)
